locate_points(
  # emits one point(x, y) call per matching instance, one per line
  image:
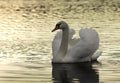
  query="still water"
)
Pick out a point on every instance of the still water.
point(25, 42)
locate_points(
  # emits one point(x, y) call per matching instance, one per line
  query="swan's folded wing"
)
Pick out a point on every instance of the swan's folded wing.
point(72, 42)
point(57, 41)
point(85, 47)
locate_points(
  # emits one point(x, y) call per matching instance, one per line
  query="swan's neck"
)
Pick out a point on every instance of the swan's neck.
point(64, 43)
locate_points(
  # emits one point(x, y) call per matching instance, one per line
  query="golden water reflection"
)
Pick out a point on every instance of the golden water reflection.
point(25, 42)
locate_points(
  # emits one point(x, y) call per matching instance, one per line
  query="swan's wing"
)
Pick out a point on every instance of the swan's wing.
point(85, 47)
point(72, 42)
point(57, 41)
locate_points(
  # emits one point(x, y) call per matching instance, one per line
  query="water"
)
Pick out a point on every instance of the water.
point(25, 43)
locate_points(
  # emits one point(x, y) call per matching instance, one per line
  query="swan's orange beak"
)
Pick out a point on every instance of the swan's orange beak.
point(56, 28)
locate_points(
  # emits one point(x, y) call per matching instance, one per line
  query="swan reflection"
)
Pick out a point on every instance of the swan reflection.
point(74, 73)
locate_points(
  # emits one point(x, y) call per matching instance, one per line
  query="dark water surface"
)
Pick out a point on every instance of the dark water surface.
point(25, 42)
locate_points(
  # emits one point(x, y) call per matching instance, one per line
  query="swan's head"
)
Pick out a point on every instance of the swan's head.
point(60, 25)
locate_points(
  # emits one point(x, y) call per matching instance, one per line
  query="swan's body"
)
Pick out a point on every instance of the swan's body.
point(68, 50)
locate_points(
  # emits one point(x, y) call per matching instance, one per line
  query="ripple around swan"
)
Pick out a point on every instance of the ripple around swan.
point(25, 73)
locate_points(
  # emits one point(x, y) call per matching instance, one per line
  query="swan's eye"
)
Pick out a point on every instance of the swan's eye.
point(58, 25)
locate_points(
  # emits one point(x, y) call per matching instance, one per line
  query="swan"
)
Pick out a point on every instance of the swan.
point(66, 49)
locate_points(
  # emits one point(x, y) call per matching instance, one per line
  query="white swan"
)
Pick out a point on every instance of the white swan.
point(65, 49)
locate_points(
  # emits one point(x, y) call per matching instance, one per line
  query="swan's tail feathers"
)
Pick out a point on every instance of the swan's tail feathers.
point(96, 55)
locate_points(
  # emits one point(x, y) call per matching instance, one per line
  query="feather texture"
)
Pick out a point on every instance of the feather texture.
point(79, 50)
point(57, 41)
point(84, 49)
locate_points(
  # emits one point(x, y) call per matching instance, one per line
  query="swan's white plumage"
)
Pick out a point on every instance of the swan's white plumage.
point(85, 48)
point(96, 55)
point(57, 41)
point(79, 50)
